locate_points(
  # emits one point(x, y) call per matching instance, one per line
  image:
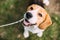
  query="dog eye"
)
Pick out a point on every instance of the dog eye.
point(40, 14)
point(31, 8)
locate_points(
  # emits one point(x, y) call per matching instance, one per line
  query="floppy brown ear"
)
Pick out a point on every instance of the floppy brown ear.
point(47, 22)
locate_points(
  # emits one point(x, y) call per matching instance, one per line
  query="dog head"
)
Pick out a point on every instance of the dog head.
point(37, 15)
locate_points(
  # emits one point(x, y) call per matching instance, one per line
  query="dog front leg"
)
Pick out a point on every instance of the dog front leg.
point(40, 33)
point(26, 33)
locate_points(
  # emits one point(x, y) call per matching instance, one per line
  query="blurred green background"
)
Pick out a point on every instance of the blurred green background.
point(13, 10)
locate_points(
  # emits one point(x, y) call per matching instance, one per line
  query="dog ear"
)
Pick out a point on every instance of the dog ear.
point(47, 22)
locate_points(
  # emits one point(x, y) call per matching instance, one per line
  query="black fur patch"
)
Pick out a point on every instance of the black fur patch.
point(39, 2)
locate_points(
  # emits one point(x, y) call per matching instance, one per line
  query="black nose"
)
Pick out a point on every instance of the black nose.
point(28, 15)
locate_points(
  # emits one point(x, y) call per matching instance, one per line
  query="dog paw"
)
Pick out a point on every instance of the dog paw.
point(40, 34)
point(26, 35)
point(46, 2)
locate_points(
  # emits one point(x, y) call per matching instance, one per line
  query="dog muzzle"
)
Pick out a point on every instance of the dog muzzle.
point(27, 23)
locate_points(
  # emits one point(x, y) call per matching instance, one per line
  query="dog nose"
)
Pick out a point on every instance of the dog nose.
point(28, 15)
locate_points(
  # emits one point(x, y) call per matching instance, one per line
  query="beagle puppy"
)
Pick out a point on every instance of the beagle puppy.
point(36, 19)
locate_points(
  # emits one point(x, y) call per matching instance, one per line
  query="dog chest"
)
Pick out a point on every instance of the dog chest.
point(33, 29)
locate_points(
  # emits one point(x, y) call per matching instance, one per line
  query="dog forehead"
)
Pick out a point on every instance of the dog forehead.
point(34, 6)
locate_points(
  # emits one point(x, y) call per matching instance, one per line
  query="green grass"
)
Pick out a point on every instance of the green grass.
point(13, 10)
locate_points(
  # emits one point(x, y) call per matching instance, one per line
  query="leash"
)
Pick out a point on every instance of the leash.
point(12, 23)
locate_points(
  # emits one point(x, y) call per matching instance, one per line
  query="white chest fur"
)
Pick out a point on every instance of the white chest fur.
point(33, 29)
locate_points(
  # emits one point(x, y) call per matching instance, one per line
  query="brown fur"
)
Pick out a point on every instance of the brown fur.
point(47, 22)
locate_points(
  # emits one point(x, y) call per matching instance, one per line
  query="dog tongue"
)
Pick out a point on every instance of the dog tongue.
point(26, 23)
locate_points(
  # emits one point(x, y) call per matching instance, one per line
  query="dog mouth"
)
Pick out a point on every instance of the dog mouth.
point(27, 23)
